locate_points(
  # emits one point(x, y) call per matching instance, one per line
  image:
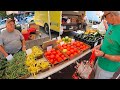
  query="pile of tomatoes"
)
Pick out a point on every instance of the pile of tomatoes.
point(80, 45)
point(71, 50)
point(55, 56)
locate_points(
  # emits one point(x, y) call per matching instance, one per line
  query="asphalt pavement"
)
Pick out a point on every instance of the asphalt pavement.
point(56, 34)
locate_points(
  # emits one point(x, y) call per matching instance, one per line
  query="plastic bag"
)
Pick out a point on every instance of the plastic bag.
point(101, 28)
point(85, 68)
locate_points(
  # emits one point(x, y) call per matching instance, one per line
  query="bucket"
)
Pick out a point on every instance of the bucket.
point(26, 35)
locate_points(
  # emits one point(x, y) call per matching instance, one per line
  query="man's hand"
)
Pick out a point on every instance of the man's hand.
point(99, 53)
point(96, 47)
point(3, 51)
point(23, 45)
point(24, 48)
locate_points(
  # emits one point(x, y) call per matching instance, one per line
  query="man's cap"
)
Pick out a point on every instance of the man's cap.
point(9, 20)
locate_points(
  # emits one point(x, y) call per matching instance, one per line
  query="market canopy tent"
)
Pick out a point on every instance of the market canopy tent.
point(12, 12)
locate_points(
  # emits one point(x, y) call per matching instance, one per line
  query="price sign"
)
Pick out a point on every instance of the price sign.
point(53, 38)
point(28, 51)
point(95, 43)
point(61, 43)
point(49, 48)
point(9, 57)
point(58, 38)
point(73, 40)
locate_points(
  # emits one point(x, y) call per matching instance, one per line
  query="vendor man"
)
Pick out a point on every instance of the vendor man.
point(11, 40)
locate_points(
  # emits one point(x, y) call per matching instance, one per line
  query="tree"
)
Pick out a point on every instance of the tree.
point(3, 14)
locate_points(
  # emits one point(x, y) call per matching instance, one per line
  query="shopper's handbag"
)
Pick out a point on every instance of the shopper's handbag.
point(85, 69)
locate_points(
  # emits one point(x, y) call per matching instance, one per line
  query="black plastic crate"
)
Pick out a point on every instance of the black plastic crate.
point(91, 43)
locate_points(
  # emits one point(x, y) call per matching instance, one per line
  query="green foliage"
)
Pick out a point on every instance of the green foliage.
point(3, 14)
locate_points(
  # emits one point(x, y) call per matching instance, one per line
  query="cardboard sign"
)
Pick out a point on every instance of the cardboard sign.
point(73, 40)
point(53, 38)
point(59, 38)
point(9, 57)
point(48, 43)
point(49, 48)
point(28, 51)
point(61, 43)
point(95, 43)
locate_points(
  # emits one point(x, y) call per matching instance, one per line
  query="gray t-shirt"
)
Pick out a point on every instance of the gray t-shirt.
point(11, 41)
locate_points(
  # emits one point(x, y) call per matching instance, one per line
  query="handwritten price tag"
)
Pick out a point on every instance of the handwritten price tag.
point(49, 48)
point(61, 43)
point(53, 38)
point(58, 38)
point(73, 40)
point(28, 51)
point(95, 43)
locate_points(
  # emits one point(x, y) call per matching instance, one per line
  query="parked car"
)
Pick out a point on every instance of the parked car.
point(2, 23)
point(29, 19)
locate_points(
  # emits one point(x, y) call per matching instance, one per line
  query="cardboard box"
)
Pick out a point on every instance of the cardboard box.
point(73, 20)
point(49, 43)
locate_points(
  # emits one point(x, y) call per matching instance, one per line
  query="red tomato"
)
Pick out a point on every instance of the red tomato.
point(53, 49)
point(54, 52)
point(62, 56)
point(68, 45)
point(57, 51)
point(45, 54)
point(48, 56)
point(55, 62)
point(68, 48)
point(61, 48)
point(48, 53)
point(65, 47)
point(75, 50)
point(72, 47)
point(68, 53)
point(52, 56)
point(72, 51)
point(51, 60)
point(78, 45)
point(71, 56)
point(57, 56)
point(75, 53)
point(59, 60)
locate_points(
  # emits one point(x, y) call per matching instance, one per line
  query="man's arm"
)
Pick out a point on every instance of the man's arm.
point(97, 47)
point(115, 58)
point(23, 45)
point(23, 42)
point(3, 51)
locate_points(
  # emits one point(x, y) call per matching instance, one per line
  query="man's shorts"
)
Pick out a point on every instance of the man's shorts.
point(102, 74)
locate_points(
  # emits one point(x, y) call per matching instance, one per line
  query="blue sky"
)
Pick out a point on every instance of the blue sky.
point(91, 15)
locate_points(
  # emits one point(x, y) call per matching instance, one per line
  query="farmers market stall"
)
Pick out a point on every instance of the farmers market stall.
point(42, 61)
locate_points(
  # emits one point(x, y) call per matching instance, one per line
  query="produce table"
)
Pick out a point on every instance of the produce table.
point(58, 67)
